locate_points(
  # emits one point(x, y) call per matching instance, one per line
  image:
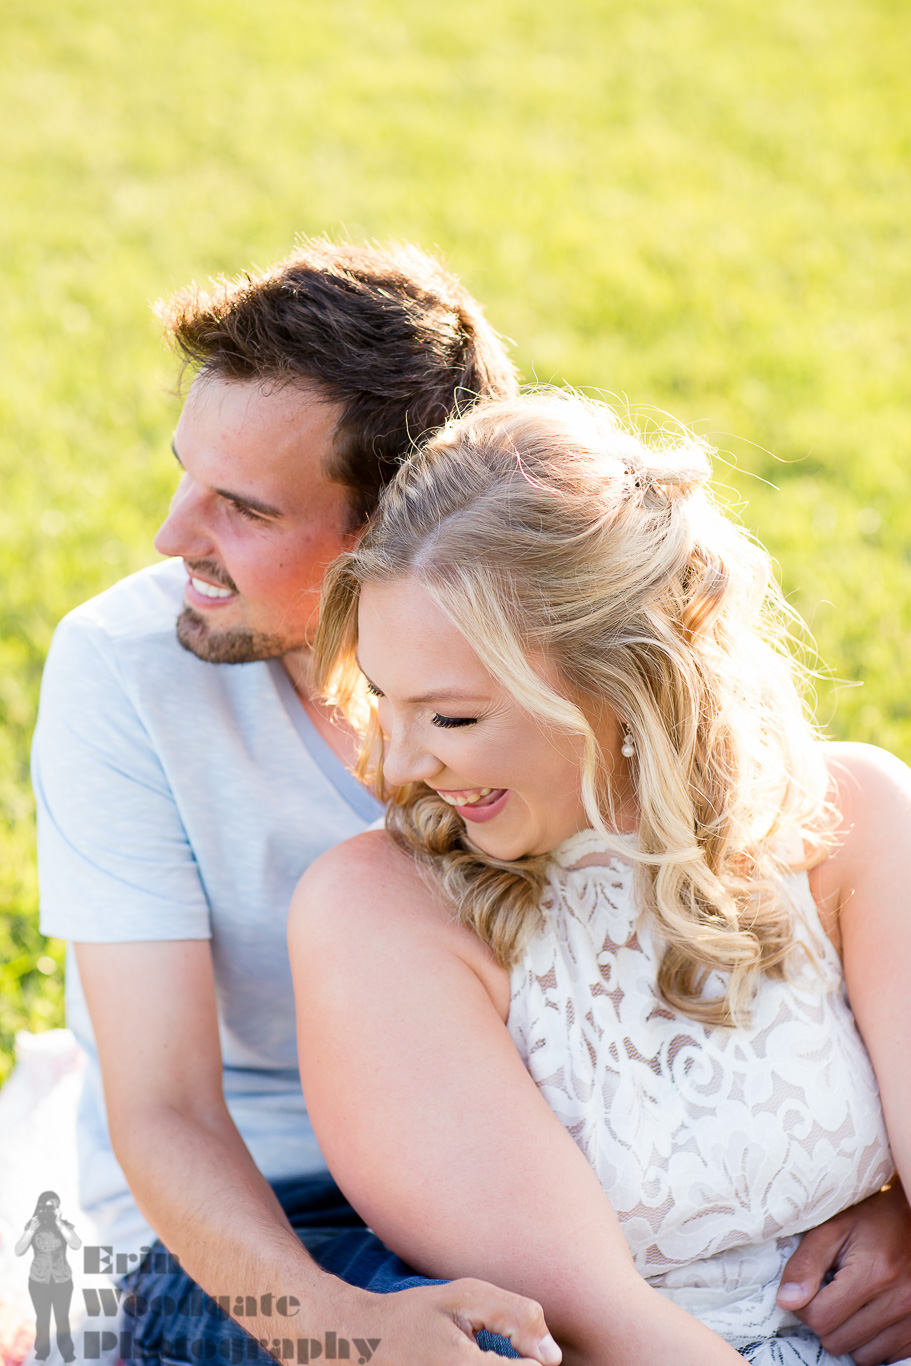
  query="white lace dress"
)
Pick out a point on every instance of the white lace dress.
point(716, 1147)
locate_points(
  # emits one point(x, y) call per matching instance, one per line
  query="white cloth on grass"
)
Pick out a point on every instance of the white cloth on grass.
point(37, 1153)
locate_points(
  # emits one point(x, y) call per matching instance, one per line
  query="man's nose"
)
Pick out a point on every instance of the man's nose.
point(184, 531)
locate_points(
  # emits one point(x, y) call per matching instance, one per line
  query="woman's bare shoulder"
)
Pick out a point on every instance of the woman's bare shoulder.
point(371, 854)
point(871, 790)
point(366, 891)
point(857, 764)
point(368, 875)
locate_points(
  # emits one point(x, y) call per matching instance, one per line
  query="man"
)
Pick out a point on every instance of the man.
point(179, 803)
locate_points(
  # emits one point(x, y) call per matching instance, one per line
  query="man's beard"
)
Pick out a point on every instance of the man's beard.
point(229, 647)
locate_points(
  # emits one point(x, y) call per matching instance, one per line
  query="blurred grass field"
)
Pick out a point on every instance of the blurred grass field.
point(701, 205)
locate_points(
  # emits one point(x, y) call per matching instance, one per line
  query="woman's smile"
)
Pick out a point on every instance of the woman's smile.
point(477, 804)
point(449, 724)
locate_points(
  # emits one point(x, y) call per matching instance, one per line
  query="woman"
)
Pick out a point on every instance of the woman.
point(585, 999)
point(50, 1280)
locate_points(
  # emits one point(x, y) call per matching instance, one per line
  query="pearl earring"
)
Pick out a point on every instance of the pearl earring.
point(628, 748)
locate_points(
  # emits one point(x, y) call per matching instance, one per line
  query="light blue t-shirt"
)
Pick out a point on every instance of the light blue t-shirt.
point(183, 800)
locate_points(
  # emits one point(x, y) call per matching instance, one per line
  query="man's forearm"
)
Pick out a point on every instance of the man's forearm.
point(196, 1183)
point(202, 1193)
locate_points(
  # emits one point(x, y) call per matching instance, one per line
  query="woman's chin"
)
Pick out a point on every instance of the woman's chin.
point(511, 845)
point(503, 844)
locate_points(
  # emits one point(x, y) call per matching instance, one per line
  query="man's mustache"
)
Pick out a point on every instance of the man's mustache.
point(210, 570)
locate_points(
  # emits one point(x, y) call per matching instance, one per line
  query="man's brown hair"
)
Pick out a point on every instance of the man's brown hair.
point(386, 332)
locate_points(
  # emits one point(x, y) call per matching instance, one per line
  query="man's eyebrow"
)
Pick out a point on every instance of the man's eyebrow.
point(245, 501)
point(242, 499)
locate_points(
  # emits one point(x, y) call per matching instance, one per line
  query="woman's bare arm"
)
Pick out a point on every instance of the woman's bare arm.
point(434, 1129)
point(25, 1242)
point(866, 883)
point(863, 891)
point(69, 1233)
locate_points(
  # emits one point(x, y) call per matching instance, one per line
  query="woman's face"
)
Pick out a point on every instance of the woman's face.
point(515, 780)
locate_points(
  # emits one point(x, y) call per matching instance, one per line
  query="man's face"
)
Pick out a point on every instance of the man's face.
point(254, 518)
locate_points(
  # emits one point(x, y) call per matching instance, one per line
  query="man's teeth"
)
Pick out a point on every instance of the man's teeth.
point(209, 590)
point(466, 798)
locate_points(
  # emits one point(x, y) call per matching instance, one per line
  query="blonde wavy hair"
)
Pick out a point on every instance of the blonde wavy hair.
point(544, 527)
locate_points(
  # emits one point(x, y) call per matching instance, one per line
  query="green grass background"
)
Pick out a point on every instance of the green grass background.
point(698, 204)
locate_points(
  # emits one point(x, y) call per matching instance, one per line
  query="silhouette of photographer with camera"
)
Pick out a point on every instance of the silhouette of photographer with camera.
point(50, 1279)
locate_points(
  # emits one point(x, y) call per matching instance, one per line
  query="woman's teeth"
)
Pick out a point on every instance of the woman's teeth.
point(209, 590)
point(474, 794)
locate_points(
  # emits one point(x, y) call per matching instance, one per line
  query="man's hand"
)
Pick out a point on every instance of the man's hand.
point(435, 1325)
point(866, 1310)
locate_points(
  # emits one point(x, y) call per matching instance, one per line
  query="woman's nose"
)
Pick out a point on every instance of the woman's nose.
point(405, 759)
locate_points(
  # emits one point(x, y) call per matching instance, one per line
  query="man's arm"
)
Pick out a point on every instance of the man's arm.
point(153, 1011)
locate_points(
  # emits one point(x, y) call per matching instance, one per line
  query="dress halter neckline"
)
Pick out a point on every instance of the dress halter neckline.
point(589, 841)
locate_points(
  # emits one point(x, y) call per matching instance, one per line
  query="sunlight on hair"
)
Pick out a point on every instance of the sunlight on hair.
point(548, 530)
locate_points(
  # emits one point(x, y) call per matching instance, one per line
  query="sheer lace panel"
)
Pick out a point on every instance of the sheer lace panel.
point(715, 1146)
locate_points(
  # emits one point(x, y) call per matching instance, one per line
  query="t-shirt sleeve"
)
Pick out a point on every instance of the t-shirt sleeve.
point(114, 862)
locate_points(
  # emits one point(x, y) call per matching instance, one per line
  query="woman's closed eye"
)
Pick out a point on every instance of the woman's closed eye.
point(446, 722)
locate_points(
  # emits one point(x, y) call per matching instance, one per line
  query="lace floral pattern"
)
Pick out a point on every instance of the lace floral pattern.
point(716, 1147)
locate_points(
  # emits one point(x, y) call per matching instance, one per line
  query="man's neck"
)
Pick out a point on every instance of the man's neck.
point(333, 728)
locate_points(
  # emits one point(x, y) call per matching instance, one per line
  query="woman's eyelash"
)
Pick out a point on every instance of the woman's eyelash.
point(446, 722)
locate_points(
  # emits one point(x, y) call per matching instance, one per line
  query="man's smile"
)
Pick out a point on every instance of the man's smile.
point(206, 583)
point(209, 590)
